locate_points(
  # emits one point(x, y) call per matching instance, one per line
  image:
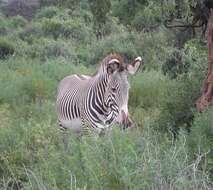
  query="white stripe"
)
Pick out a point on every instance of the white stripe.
point(138, 59)
point(114, 60)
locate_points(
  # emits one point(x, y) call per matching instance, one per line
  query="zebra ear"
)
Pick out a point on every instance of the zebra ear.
point(112, 66)
point(134, 66)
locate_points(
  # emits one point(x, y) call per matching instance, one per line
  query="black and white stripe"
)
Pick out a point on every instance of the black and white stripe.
point(82, 99)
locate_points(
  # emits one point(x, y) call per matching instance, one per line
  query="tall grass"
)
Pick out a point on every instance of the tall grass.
point(34, 158)
point(31, 148)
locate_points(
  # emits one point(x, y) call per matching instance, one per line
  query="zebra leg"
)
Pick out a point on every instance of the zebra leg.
point(64, 135)
point(65, 139)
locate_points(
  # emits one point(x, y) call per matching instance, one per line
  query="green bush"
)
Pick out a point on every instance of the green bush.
point(147, 89)
point(31, 32)
point(152, 47)
point(58, 68)
point(6, 48)
point(48, 12)
point(3, 26)
point(200, 141)
point(28, 85)
point(44, 48)
point(74, 28)
point(195, 55)
point(174, 65)
point(147, 92)
point(177, 104)
point(112, 26)
point(8, 25)
point(125, 11)
point(148, 18)
point(78, 31)
point(122, 43)
point(34, 156)
point(52, 27)
point(191, 58)
point(18, 21)
point(5, 116)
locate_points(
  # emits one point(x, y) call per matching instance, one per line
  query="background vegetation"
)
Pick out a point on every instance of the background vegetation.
point(171, 148)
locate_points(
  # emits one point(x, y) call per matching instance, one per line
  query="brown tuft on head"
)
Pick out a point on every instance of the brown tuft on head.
point(113, 56)
point(114, 62)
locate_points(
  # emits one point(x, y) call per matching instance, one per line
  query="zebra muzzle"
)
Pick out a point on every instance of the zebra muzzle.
point(126, 121)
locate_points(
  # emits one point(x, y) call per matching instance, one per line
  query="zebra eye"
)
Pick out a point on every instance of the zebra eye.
point(114, 89)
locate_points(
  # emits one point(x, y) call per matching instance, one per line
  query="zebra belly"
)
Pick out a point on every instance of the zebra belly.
point(74, 124)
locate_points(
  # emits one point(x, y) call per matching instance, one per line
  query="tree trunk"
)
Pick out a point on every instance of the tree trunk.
point(207, 88)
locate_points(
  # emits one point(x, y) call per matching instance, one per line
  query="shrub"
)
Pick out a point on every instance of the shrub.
point(116, 161)
point(18, 21)
point(195, 55)
point(6, 48)
point(78, 31)
point(112, 26)
point(178, 102)
point(52, 27)
point(191, 59)
point(177, 105)
point(152, 47)
point(9, 24)
point(44, 48)
point(58, 68)
point(83, 13)
point(28, 85)
point(125, 10)
point(36, 86)
point(71, 4)
point(31, 32)
point(200, 139)
point(175, 65)
point(147, 89)
point(75, 29)
point(3, 26)
point(17, 151)
point(47, 12)
point(11, 93)
point(122, 43)
point(5, 115)
point(148, 18)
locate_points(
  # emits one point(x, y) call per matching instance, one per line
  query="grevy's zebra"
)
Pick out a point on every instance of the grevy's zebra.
point(99, 100)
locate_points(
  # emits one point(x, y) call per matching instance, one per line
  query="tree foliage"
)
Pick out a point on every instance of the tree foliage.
point(99, 9)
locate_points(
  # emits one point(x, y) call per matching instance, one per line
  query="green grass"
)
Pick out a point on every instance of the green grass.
point(32, 155)
point(33, 158)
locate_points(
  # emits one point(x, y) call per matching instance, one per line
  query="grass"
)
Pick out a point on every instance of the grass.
point(31, 149)
point(32, 157)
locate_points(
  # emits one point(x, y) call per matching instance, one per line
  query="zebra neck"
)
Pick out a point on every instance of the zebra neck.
point(101, 87)
point(99, 90)
point(99, 112)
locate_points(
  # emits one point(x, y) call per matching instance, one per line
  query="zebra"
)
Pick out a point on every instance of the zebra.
point(97, 101)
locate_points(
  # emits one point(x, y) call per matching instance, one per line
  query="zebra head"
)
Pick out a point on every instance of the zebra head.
point(117, 91)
